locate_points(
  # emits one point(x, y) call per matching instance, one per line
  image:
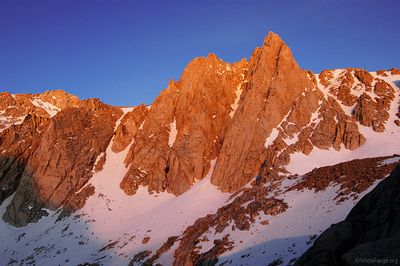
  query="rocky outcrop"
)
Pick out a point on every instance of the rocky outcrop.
point(14, 108)
point(369, 233)
point(243, 210)
point(184, 128)
point(150, 261)
point(6, 100)
point(375, 112)
point(367, 113)
point(139, 257)
point(211, 256)
point(59, 98)
point(336, 128)
point(128, 128)
point(62, 161)
point(275, 81)
point(343, 91)
point(314, 120)
point(369, 98)
point(394, 71)
point(364, 77)
point(354, 176)
point(385, 73)
point(331, 128)
point(325, 77)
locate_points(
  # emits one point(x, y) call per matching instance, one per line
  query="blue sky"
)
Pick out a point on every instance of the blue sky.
point(125, 52)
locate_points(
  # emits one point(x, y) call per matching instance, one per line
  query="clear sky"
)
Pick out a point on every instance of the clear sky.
point(125, 52)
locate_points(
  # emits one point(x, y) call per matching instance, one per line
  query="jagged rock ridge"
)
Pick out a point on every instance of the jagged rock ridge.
point(279, 109)
point(239, 116)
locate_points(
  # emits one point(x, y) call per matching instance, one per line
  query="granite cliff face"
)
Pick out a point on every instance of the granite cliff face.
point(274, 82)
point(17, 144)
point(13, 108)
point(240, 115)
point(185, 127)
point(46, 161)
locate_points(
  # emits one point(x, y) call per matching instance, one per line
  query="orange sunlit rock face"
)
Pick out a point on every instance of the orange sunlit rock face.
point(185, 127)
point(275, 81)
point(62, 160)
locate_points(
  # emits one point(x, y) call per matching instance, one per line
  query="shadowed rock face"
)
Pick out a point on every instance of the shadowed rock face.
point(371, 230)
point(62, 160)
point(23, 119)
point(17, 143)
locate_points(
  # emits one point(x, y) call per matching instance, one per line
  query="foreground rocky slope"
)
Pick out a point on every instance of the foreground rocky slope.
point(218, 169)
point(369, 234)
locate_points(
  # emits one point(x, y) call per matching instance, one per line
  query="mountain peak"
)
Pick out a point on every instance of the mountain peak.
point(212, 56)
point(276, 82)
point(273, 38)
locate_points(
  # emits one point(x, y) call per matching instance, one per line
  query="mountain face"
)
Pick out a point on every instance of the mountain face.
point(184, 128)
point(242, 163)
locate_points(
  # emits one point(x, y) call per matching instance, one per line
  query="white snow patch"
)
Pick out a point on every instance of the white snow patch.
point(270, 139)
point(390, 161)
point(293, 140)
point(8, 121)
point(141, 125)
point(235, 105)
point(172, 133)
point(51, 109)
point(127, 109)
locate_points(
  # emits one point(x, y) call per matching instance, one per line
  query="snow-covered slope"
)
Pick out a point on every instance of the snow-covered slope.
point(288, 235)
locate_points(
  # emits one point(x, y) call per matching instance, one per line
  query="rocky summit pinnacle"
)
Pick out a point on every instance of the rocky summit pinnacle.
point(273, 84)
